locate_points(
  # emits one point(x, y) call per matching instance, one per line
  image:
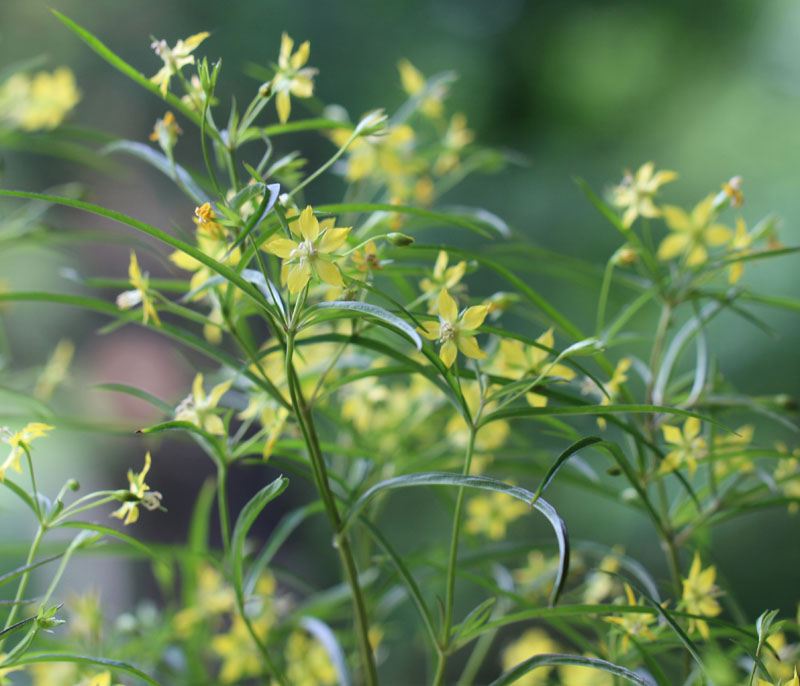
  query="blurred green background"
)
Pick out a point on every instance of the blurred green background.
point(577, 88)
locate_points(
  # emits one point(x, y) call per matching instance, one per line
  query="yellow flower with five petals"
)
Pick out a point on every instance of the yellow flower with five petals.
point(452, 327)
point(198, 408)
point(139, 294)
point(699, 595)
point(291, 77)
point(692, 233)
point(20, 442)
point(139, 494)
point(175, 58)
point(312, 254)
point(687, 446)
point(518, 360)
point(636, 192)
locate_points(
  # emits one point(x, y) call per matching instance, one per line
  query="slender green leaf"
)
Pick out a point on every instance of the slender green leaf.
point(161, 162)
point(578, 660)
point(245, 520)
point(485, 483)
point(108, 531)
point(561, 459)
point(14, 573)
point(33, 658)
point(369, 310)
point(136, 393)
point(437, 218)
point(519, 412)
point(153, 231)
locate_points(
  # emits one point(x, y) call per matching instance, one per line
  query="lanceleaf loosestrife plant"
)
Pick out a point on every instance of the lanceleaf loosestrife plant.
point(346, 350)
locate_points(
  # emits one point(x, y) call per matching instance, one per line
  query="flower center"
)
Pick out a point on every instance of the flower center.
point(447, 331)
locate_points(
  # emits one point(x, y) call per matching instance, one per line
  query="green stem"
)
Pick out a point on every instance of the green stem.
point(23, 581)
point(603, 300)
point(36, 502)
point(222, 505)
point(325, 166)
point(303, 415)
point(72, 510)
point(451, 566)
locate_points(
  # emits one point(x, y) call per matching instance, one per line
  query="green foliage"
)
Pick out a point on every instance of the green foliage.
point(370, 359)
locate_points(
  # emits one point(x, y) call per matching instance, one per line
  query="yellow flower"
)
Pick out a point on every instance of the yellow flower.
point(140, 494)
point(782, 666)
point(413, 83)
point(54, 673)
point(536, 577)
point(271, 416)
point(633, 624)
point(20, 441)
point(519, 361)
point(636, 192)
point(166, 131)
point(451, 327)
point(688, 446)
point(691, 234)
point(140, 293)
point(213, 597)
point(794, 682)
point(491, 514)
point(308, 663)
point(600, 585)
point(442, 277)
point(612, 388)
point(206, 221)
point(198, 408)
point(728, 444)
point(456, 138)
point(740, 246)
point(291, 77)
point(55, 371)
point(241, 657)
point(699, 595)
point(175, 58)
point(387, 158)
point(312, 254)
point(368, 261)
point(213, 247)
point(101, 679)
point(40, 102)
point(532, 642)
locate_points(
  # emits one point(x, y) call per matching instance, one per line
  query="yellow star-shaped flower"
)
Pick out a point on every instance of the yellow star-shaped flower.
point(452, 327)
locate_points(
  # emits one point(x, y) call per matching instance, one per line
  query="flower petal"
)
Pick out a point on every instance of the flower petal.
point(332, 240)
point(431, 330)
point(308, 224)
point(473, 317)
point(282, 247)
point(673, 245)
point(448, 353)
point(329, 273)
point(469, 346)
point(299, 276)
point(448, 309)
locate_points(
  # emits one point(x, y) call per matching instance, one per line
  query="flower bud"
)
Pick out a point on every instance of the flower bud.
point(400, 240)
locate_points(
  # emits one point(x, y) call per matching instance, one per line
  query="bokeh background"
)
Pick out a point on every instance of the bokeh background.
point(575, 88)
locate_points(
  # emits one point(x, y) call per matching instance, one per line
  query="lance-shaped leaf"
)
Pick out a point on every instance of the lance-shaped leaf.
point(383, 316)
point(487, 484)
